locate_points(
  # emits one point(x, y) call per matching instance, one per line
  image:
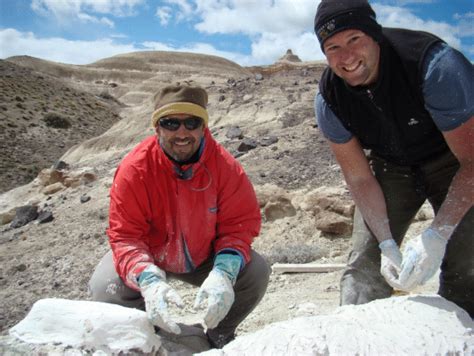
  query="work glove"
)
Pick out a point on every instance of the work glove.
point(391, 261)
point(157, 294)
point(218, 289)
point(422, 257)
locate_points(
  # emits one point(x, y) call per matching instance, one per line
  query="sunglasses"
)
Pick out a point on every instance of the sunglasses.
point(172, 124)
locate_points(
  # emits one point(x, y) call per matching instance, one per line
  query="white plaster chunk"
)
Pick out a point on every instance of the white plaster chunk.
point(87, 325)
point(407, 325)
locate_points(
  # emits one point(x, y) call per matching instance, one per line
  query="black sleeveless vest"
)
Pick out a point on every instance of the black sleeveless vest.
point(390, 118)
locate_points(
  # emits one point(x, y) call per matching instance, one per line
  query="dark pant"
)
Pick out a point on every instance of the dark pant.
point(106, 286)
point(405, 190)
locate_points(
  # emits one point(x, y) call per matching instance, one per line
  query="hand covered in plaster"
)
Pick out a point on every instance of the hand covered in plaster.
point(391, 261)
point(422, 256)
point(157, 294)
point(219, 292)
point(218, 288)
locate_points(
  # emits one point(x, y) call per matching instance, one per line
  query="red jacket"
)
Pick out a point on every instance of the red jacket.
point(156, 217)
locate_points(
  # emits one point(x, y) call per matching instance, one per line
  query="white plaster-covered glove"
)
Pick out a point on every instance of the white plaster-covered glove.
point(422, 256)
point(157, 294)
point(218, 289)
point(391, 261)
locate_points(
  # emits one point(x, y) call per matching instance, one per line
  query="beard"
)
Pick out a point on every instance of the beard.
point(178, 152)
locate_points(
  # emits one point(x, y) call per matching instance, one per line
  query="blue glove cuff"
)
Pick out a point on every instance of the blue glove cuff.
point(151, 274)
point(432, 233)
point(229, 264)
point(387, 244)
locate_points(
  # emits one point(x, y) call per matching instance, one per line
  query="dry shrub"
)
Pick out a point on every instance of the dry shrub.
point(56, 121)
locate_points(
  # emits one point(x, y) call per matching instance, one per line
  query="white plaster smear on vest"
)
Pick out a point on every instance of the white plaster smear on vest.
point(408, 325)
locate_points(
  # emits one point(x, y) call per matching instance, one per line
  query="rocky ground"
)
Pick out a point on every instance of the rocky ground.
point(263, 115)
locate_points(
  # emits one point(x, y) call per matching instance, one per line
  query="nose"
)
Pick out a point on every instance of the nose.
point(182, 131)
point(346, 55)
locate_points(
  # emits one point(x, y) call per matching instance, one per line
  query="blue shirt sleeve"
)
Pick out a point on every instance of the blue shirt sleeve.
point(329, 123)
point(448, 87)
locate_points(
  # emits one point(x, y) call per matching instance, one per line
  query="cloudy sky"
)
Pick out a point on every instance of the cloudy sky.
point(248, 32)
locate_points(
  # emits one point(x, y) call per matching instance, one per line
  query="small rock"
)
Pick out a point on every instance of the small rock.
point(7, 216)
point(21, 267)
point(45, 216)
point(278, 209)
point(53, 188)
point(85, 198)
point(247, 144)
point(333, 223)
point(60, 165)
point(258, 76)
point(268, 140)
point(24, 214)
point(234, 132)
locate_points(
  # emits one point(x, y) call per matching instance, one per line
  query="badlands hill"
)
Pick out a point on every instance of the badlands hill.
point(69, 126)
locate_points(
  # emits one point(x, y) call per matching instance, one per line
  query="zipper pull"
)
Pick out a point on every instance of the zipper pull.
point(369, 93)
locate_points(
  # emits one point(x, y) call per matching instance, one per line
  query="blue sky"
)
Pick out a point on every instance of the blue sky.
point(249, 32)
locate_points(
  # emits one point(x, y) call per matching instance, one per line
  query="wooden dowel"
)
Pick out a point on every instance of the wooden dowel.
point(307, 267)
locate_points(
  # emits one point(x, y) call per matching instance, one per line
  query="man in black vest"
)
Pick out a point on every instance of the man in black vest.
point(407, 98)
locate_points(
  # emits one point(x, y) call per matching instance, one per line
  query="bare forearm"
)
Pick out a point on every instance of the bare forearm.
point(457, 203)
point(364, 188)
point(370, 200)
point(460, 195)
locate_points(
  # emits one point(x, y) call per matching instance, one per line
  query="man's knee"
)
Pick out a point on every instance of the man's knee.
point(358, 287)
point(106, 286)
point(256, 274)
point(107, 291)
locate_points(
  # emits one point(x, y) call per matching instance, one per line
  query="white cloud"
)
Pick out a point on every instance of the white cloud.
point(466, 16)
point(85, 18)
point(253, 18)
point(85, 11)
point(390, 16)
point(272, 25)
point(164, 14)
point(185, 8)
point(111, 7)
point(269, 47)
point(13, 42)
point(465, 24)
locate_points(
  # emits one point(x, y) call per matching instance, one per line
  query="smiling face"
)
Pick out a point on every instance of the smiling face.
point(353, 56)
point(181, 144)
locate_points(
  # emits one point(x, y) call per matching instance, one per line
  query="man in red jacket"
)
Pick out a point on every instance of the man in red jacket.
point(182, 207)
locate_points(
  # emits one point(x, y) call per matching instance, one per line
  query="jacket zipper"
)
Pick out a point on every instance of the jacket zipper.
point(372, 99)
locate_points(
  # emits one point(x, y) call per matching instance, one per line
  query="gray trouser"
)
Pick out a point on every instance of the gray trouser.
point(405, 190)
point(106, 286)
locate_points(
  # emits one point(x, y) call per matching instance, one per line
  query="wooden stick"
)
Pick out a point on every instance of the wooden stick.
point(307, 267)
